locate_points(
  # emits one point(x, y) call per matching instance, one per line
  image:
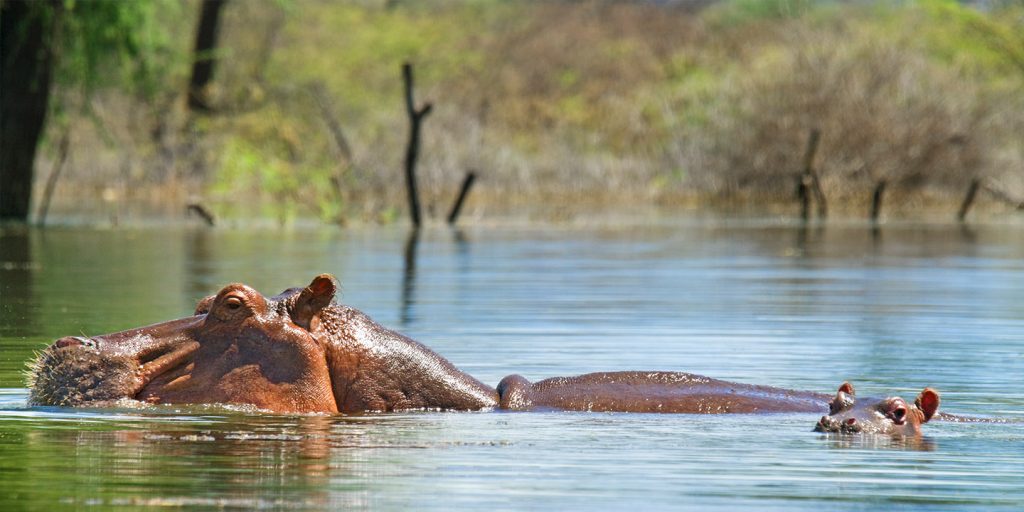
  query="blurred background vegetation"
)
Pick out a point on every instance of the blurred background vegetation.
point(562, 107)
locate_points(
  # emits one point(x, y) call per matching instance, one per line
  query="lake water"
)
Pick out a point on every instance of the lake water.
point(910, 306)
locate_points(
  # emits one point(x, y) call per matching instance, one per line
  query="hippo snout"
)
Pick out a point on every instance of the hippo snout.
point(830, 424)
point(827, 424)
point(75, 341)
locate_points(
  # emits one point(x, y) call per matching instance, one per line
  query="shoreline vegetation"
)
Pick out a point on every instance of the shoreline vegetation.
point(560, 108)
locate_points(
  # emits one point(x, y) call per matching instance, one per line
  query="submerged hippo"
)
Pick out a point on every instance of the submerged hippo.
point(892, 415)
point(301, 352)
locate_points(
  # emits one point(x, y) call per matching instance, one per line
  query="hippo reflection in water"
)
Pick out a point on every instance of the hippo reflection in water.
point(301, 352)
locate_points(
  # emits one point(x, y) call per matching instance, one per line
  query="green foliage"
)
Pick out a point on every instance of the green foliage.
point(260, 164)
point(739, 12)
point(130, 44)
point(990, 44)
point(358, 51)
point(542, 95)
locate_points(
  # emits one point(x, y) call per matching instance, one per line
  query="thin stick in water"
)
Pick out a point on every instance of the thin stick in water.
point(463, 192)
point(965, 206)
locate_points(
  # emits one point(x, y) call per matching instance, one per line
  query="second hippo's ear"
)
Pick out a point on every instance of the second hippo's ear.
point(844, 398)
point(203, 306)
point(928, 402)
point(312, 299)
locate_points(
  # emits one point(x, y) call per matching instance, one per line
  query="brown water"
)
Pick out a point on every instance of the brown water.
point(758, 302)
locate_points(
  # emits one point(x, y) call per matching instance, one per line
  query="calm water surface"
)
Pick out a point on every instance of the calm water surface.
point(765, 303)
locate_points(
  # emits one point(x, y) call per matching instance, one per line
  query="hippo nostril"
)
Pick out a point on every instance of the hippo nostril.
point(69, 341)
point(828, 424)
point(74, 341)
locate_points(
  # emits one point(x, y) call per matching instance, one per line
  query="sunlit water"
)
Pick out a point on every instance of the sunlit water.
point(764, 303)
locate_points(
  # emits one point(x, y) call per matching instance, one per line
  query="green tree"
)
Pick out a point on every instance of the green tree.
point(206, 44)
point(27, 57)
point(73, 44)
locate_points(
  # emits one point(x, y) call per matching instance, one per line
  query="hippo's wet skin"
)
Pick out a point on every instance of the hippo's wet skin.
point(301, 352)
point(892, 415)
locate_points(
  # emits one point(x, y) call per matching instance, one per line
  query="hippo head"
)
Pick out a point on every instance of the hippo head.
point(239, 347)
point(892, 415)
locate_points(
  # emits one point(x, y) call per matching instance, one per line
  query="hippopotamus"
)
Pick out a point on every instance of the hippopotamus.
point(302, 352)
point(891, 415)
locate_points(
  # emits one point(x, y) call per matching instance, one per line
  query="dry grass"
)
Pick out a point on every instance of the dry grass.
point(562, 107)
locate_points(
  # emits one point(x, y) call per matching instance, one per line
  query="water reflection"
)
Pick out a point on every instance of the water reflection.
point(199, 258)
point(240, 461)
point(412, 241)
point(411, 256)
point(17, 297)
point(766, 303)
point(879, 442)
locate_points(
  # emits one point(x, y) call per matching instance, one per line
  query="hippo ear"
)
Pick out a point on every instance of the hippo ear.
point(312, 299)
point(844, 398)
point(204, 304)
point(928, 402)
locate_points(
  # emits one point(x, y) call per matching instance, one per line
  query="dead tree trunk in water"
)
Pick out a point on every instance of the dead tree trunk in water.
point(803, 195)
point(809, 181)
point(463, 192)
point(413, 149)
point(876, 200)
point(206, 43)
point(965, 207)
point(983, 185)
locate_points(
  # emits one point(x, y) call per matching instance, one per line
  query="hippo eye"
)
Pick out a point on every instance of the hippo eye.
point(232, 306)
point(233, 303)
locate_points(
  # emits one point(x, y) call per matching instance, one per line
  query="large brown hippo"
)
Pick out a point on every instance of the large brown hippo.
point(301, 352)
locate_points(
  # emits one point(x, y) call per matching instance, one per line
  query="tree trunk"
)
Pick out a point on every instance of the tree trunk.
point(26, 54)
point(412, 150)
point(206, 43)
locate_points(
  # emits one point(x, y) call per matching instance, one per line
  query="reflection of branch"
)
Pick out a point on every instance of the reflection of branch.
point(409, 275)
